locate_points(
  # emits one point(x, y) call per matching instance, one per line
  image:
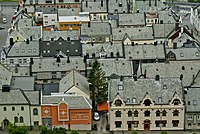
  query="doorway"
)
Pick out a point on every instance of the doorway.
point(129, 125)
point(146, 125)
point(5, 124)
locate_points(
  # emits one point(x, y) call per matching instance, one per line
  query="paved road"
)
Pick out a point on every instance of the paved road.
point(8, 12)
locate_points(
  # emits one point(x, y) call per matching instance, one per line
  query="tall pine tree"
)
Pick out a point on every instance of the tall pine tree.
point(99, 83)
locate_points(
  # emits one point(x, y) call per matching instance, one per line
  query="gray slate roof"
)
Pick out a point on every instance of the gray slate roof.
point(34, 31)
point(191, 96)
point(96, 29)
point(94, 7)
point(25, 23)
point(74, 78)
point(115, 66)
point(145, 52)
point(68, 11)
point(173, 69)
point(138, 89)
point(24, 83)
point(15, 96)
point(47, 35)
point(135, 33)
point(33, 96)
point(132, 19)
point(183, 53)
point(107, 47)
point(50, 64)
point(74, 102)
point(5, 76)
point(121, 6)
point(163, 30)
point(166, 16)
point(46, 10)
point(47, 88)
point(21, 49)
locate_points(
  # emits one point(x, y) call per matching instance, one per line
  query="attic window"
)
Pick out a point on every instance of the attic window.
point(76, 50)
point(181, 54)
point(118, 102)
point(128, 100)
point(164, 86)
point(134, 100)
point(194, 102)
point(48, 43)
point(183, 67)
point(23, 51)
point(159, 99)
point(120, 87)
point(17, 50)
point(120, 4)
point(60, 43)
point(197, 54)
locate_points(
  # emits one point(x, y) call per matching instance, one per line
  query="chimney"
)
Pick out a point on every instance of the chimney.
point(132, 43)
point(174, 45)
point(31, 38)
point(52, 39)
point(84, 58)
point(31, 61)
point(101, 3)
point(11, 41)
point(5, 88)
point(155, 43)
point(176, 26)
point(40, 39)
point(135, 77)
point(86, 4)
point(155, 3)
point(27, 41)
point(157, 78)
point(149, 2)
point(181, 76)
point(68, 61)
point(89, 25)
point(121, 78)
point(145, 73)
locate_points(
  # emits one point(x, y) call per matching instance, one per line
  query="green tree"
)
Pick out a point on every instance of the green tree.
point(13, 129)
point(99, 83)
point(74, 132)
point(59, 131)
point(194, 133)
point(44, 130)
point(134, 132)
point(163, 132)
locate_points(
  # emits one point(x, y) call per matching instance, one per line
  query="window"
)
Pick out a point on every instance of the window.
point(15, 119)
point(48, 1)
point(35, 111)
point(120, 87)
point(175, 113)
point(76, 0)
point(164, 113)
point(118, 124)
point(176, 102)
point(118, 102)
point(189, 124)
point(21, 119)
point(194, 102)
point(135, 123)
point(136, 113)
point(129, 113)
point(157, 123)
point(11, 61)
point(19, 60)
point(181, 54)
point(197, 54)
point(128, 100)
point(53, 75)
point(13, 108)
point(24, 61)
point(164, 86)
point(134, 100)
point(17, 50)
point(60, 1)
point(22, 108)
point(118, 113)
point(198, 117)
point(190, 117)
point(159, 99)
point(23, 51)
point(147, 102)
point(158, 113)
point(147, 113)
point(188, 102)
point(175, 123)
point(4, 109)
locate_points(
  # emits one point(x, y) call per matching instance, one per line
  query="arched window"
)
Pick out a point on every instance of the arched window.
point(129, 113)
point(35, 111)
point(158, 113)
point(118, 102)
point(22, 108)
point(118, 113)
point(147, 102)
point(189, 124)
point(21, 119)
point(147, 113)
point(176, 102)
point(136, 113)
point(15, 119)
point(164, 113)
point(175, 113)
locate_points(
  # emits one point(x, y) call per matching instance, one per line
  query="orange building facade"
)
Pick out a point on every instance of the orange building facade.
point(61, 115)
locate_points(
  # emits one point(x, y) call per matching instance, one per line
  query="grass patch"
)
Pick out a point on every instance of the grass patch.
point(193, 0)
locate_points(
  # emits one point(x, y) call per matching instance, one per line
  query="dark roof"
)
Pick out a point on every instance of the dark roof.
point(47, 89)
point(51, 48)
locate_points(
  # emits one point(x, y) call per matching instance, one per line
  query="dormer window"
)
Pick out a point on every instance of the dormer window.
point(164, 86)
point(159, 99)
point(120, 87)
point(120, 4)
point(118, 102)
point(176, 102)
point(147, 102)
point(194, 102)
point(134, 100)
point(128, 100)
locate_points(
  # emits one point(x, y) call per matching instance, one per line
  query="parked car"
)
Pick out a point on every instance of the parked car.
point(4, 20)
point(96, 116)
point(2, 28)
